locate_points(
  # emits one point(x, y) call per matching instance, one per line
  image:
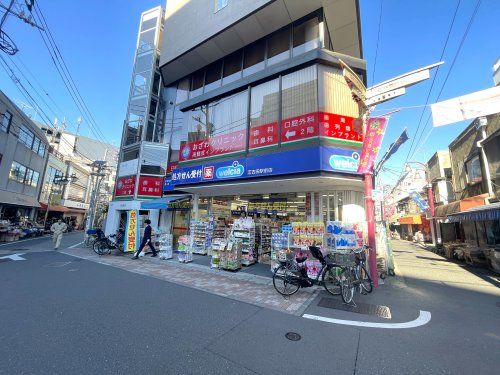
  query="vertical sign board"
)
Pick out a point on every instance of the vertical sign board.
point(131, 232)
point(375, 130)
point(150, 187)
point(125, 187)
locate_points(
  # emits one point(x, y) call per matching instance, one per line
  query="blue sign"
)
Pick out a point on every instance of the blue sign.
point(421, 203)
point(303, 160)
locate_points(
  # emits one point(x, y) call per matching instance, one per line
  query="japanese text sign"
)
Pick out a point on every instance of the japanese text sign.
point(263, 136)
point(216, 145)
point(375, 130)
point(132, 231)
point(125, 186)
point(150, 186)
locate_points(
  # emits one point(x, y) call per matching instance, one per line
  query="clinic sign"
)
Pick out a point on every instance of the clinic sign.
point(310, 159)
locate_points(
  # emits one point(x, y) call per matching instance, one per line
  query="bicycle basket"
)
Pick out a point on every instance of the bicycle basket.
point(344, 259)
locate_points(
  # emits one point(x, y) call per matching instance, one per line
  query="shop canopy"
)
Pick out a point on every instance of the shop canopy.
point(488, 212)
point(411, 219)
point(459, 206)
point(162, 203)
point(53, 207)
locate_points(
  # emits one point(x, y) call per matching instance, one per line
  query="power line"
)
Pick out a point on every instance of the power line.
point(378, 39)
point(471, 20)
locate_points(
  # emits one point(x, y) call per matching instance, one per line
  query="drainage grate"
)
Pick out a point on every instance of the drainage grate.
point(360, 308)
point(293, 336)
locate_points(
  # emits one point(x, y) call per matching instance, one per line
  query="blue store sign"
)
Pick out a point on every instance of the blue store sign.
point(288, 162)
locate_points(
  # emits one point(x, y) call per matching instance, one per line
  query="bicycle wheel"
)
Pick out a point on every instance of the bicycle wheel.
point(347, 285)
point(365, 279)
point(100, 247)
point(285, 282)
point(330, 279)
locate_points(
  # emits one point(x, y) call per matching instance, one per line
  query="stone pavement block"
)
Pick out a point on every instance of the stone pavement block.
point(253, 289)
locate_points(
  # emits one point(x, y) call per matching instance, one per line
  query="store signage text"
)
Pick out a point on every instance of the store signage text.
point(125, 186)
point(132, 231)
point(345, 163)
point(214, 146)
point(230, 171)
point(263, 136)
point(150, 186)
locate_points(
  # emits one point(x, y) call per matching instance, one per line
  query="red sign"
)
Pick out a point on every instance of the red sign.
point(218, 145)
point(208, 173)
point(375, 130)
point(263, 136)
point(171, 167)
point(338, 127)
point(125, 186)
point(299, 128)
point(150, 186)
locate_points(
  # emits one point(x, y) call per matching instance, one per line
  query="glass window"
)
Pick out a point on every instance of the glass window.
point(144, 62)
point(264, 112)
point(147, 41)
point(6, 121)
point(220, 4)
point(197, 83)
point(306, 35)
point(182, 91)
point(473, 168)
point(156, 83)
point(17, 172)
point(299, 105)
point(232, 67)
point(148, 24)
point(278, 46)
point(29, 176)
point(41, 149)
point(36, 144)
point(26, 136)
point(254, 57)
point(213, 76)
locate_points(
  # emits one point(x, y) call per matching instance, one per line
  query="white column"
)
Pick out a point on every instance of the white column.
point(195, 205)
point(328, 206)
point(313, 211)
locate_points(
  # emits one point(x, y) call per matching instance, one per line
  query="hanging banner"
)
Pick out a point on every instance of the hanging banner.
point(375, 130)
point(421, 203)
point(467, 107)
point(131, 232)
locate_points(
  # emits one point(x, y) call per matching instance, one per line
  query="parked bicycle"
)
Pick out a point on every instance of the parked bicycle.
point(105, 244)
point(91, 236)
point(354, 273)
point(291, 275)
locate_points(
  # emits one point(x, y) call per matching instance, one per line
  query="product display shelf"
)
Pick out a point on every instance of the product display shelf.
point(218, 246)
point(199, 236)
point(165, 245)
point(230, 255)
point(263, 232)
point(247, 238)
point(184, 250)
point(219, 237)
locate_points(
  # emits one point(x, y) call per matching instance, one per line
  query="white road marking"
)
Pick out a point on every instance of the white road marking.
point(423, 318)
point(75, 245)
point(16, 256)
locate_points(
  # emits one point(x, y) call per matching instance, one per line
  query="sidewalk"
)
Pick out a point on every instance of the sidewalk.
point(244, 287)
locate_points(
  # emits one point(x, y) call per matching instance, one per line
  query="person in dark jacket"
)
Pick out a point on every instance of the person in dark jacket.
point(146, 240)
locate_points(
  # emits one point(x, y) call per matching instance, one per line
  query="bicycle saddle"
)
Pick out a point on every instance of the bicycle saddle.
point(301, 259)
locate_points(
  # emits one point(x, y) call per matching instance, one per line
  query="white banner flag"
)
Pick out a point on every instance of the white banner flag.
point(477, 104)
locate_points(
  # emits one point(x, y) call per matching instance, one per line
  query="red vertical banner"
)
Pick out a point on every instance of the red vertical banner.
point(375, 130)
point(150, 186)
point(263, 136)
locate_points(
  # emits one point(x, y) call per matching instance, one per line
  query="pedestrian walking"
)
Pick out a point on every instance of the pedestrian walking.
point(57, 229)
point(146, 240)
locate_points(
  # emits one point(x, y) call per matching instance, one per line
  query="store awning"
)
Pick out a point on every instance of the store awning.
point(488, 212)
point(162, 203)
point(460, 206)
point(53, 208)
point(410, 219)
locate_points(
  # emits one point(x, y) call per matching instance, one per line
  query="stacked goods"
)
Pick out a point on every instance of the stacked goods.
point(184, 251)
point(244, 231)
point(230, 256)
point(263, 241)
point(306, 234)
point(198, 230)
point(218, 245)
point(341, 236)
point(279, 243)
point(165, 245)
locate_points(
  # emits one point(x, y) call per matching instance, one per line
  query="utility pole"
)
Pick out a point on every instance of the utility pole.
point(99, 169)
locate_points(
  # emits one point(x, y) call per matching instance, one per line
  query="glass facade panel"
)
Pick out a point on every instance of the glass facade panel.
point(232, 67)
point(254, 57)
point(278, 46)
point(17, 172)
point(197, 83)
point(26, 136)
point(299, 105)
point(264, 112)
point(306, 36)
point(213, 76)
point(146, 41)
point(148, 24)
point(6, 120)
point(217, 128)
point(182, 91)
point(144, 62)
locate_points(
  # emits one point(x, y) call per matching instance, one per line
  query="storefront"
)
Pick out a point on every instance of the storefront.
point(414, 227)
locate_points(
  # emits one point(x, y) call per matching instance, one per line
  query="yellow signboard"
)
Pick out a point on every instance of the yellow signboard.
point(131, 232)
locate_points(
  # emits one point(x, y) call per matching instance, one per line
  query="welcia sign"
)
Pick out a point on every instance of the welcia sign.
point(230, 171)
point(345, 162)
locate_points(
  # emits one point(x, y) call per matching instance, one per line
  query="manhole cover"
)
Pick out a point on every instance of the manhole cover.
point(360, 308)
point(292, 336)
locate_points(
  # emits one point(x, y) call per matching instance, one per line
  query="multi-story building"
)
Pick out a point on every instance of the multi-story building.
point(23, 156)
point(254, 108)
point(71, 155)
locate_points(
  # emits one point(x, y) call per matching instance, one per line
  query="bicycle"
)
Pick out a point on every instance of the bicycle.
point(291, 275)
point(91, 236)
point(361, 272)
point(354, 273)
point(104, 245)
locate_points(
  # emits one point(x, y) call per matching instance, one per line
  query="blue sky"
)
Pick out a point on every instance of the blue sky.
point(97, 40)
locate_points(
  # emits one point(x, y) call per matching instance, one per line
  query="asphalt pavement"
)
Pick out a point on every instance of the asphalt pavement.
point(65, 315)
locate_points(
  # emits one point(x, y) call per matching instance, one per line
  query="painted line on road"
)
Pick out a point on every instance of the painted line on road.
point(423, 318)
point(16, 256)
point(75, 245)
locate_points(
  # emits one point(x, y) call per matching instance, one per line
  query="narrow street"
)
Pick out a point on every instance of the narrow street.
point(62, 314)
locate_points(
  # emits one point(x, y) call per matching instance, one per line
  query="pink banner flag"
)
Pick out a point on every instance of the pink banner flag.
point(375, 130)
